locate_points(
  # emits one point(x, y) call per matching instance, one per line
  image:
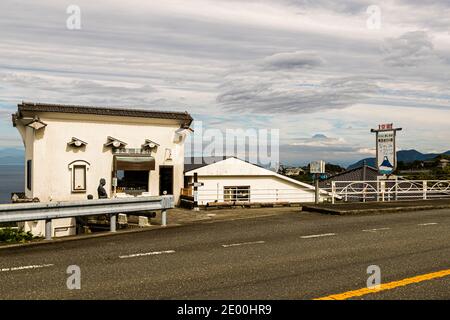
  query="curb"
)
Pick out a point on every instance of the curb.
point(84, 237)
point(373, 211)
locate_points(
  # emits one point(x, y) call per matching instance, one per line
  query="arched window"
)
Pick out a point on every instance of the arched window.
point(79, 169)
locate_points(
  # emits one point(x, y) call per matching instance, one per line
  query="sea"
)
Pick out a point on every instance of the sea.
point(11, 180)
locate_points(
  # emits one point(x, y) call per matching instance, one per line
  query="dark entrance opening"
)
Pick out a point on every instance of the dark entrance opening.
point(165, 179)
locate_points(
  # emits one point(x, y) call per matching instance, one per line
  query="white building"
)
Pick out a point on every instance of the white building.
point(68, 149)
point(232, 179)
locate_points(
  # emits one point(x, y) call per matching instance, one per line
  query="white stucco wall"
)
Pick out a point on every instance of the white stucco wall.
point(51, 156)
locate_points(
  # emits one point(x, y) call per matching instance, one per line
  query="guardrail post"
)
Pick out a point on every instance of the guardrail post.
point(112, 222)
point(48, 229)
point(164, 218)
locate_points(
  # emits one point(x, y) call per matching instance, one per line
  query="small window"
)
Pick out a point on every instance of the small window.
point(29, 166)
point(236, 193)
point(79, 178)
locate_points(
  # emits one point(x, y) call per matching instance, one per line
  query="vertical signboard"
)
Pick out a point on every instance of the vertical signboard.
point(317, 167)
point(386, 157)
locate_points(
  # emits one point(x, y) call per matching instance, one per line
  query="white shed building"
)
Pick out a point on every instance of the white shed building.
point(235, 180)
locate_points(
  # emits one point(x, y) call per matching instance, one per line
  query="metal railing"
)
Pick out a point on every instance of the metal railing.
point(56, 210)
point(186, 192)
point(390, 190)
point(252, 195)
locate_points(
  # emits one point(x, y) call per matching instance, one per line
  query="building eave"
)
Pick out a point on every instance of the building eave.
point(183, 117)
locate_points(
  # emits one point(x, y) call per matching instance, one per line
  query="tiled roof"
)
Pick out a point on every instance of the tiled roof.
point(139, 113)
point(356, 174)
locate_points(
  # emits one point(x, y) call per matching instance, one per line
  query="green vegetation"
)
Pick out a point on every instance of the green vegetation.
point(305, 176)
point(425, 170)
point(13, 235)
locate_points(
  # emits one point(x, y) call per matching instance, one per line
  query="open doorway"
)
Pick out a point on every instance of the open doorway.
point(165, 179)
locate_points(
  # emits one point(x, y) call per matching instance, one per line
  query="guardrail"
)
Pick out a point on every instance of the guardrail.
point(390, 190)
point(55, 210)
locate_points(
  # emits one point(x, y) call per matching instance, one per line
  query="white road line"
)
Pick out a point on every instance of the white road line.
point(427, 224)
point(242, 244)
point(375, 230)
point(318, 235)
point(35, 266)
point(154, 253)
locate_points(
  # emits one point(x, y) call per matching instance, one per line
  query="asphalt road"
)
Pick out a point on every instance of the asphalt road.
point(294, 255)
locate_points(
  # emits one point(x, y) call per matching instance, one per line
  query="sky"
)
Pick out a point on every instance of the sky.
point(322, 72)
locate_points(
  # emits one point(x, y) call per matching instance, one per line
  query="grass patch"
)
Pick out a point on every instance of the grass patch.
point(13, 235)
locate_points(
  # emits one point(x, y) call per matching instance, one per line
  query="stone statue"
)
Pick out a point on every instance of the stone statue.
point(101, 190)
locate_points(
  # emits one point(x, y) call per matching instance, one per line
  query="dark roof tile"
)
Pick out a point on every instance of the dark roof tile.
point(139, 113)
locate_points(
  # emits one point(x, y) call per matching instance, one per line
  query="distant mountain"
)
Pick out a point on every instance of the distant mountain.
point(11, 156)
point(406, 156)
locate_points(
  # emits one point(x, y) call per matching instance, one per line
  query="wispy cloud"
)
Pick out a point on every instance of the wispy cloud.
point(409, 50)
point(255, 63)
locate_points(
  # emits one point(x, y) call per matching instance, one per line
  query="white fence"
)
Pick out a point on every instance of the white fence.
point(252, 195)
point(390, 190)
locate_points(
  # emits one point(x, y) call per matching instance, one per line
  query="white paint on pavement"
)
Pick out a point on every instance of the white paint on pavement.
point(318, 235)
point(34, 266)
point(427, 224)
point(375, 230)
point(241, 244)
point(154, 253)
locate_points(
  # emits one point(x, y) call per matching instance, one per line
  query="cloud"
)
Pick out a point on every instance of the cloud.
point(64, 89)
point(320, 141)
point(346, 7)
point(409, 50)
point(4, 112)
point(297, 65)
point(292, 60)
point(272, 96)
point(343, 155)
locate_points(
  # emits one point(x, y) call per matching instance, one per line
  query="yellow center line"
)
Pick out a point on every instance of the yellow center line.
point(387, 286)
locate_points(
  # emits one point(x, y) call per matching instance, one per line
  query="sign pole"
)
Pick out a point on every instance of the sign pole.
point(196, 208)
point(317, 168)
point(317, 189)
point(195, 186)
